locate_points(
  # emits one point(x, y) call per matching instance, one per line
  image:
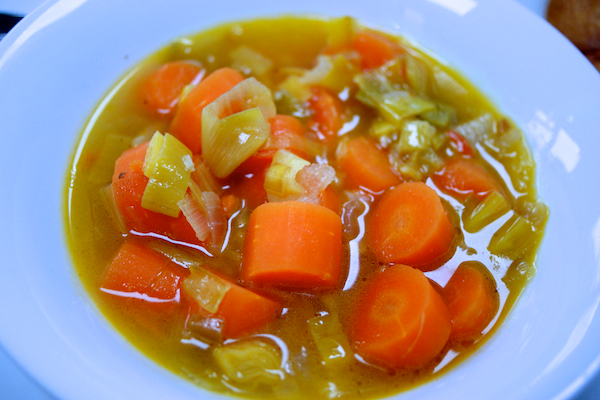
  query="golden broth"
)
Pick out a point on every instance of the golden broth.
point(289, 42)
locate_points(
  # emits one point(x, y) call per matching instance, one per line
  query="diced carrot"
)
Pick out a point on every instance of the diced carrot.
point(243, 310)
point(330, 199)
point(463, 177)
point(187, 124)
point(249, 187)
point(375, 49)
point(400, 320)
point(161, 90)
point(286, 134)
point(472, 300)
point(230, 203)
point(460, 143)
point(410, 226)
point(293, 244)
point(367, 165)
point(328, 110)
point(128, 185)
point(182, 230)
point(140, 271)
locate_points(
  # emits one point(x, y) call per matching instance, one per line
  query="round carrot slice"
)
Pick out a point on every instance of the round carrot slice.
point(401, 321)
point(410, 226)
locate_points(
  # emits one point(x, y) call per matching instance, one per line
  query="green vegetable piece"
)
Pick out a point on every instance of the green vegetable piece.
point(490, 209)
point(330, 339)
point(514, 238)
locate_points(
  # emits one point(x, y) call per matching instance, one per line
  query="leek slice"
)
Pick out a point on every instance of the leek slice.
point(195, 216)
point(490, 209)
point(204, 178)
point(251, 363)
point(235, 125)
point(329, 337)
point(250, 62)
point(206, 288)
point(392, 102)
point(170, 170)
point(280, 180)
point(154, 148)
point(514, 237)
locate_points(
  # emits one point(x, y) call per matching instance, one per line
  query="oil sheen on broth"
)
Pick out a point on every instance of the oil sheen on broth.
point(361, 121)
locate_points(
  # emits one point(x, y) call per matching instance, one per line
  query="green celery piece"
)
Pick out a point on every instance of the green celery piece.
point(250, 363)
point(490, 209)
point(442, 117)
point(229, 142)
point(514, 238)
point(329, 337)
point(169, 178)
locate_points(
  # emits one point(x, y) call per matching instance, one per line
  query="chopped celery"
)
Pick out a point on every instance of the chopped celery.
point(514, 237)
point(340, 32)
point(441, 117)
point(170, 172)
point(250, 62)
point(152, 153)
point(393, 103)
point(206, 288)
point(341, 75)
point(518, 274)
point(490, 209)
point(235, 125)
point(330, 339)
point(295, 89)
point(447, 88)
point(280, 180)
point(251, 363)
point(228, 142)
point(477, 130)
point(416, 73)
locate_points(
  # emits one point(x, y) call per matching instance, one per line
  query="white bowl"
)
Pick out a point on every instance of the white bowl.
point(62, 59)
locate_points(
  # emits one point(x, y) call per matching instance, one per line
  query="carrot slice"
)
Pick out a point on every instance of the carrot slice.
point(140, 271)
point(243, 310)
point(410, 226)
point(330, 199)
point(367, 165)
point(472, 300)
point(293, 244)
point(375, 49)
point(128, 185)
point(327, 113)
point(161, 90)
point(187, 124)
point(462, 177)
point(400, 321)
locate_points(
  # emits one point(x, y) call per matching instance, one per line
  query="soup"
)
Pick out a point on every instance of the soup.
point(302, 207)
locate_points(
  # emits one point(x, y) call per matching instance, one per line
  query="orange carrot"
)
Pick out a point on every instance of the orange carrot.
point(462, 177)
point(375, 49)
point(367, 165)
point(472, 301)
point(187, 124)
point(330, 199)
point(286, 133)
point(460, 143)
point(161, 90)
point(140, 272)
point(293, 244)
point(230, 203)
point(128, 185)
point(409, 225)
point(327, 113)
point(243, 311)
point(400, 320)
point(249, 187)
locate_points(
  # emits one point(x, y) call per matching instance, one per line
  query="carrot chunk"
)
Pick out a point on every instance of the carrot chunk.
point(243, 311)
point(472, 301)
point(367, 165)
point(137, 269)
point(327, 113)
point(293, 244)
point(187, 123)
point(128, 185)
point(401, 321)
point(375, 49)
point(410, 226)
point(463, 177)
point(161, 90)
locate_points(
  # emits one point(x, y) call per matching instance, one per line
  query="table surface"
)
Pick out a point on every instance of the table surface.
point(16, 384)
